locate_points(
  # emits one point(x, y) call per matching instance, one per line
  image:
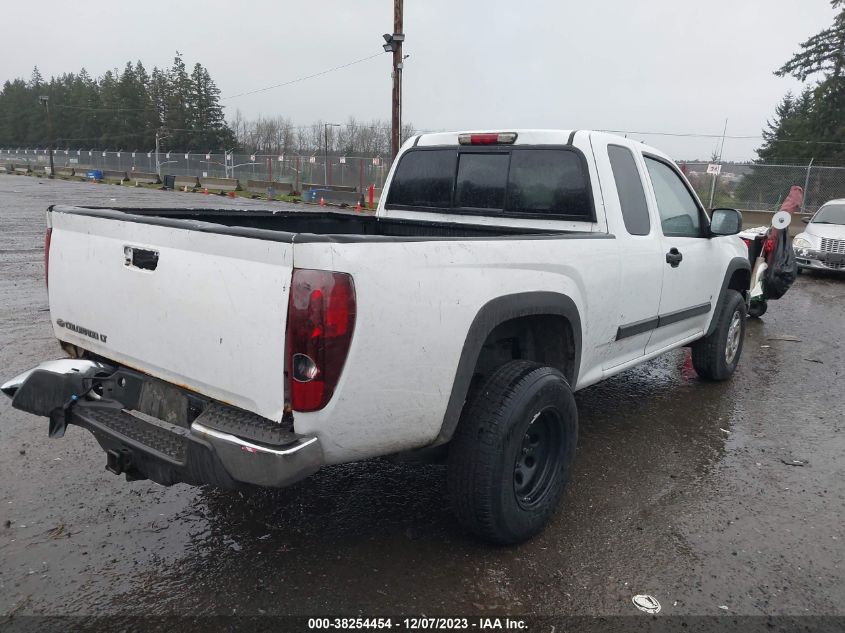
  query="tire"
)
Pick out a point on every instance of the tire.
point(715, 357)
point(510, 458)
point(757, 309)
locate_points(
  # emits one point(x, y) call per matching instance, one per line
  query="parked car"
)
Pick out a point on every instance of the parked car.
point(502, 272)
point(822, 244)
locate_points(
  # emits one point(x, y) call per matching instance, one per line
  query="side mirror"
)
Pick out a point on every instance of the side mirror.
point(806, 220)
point(725, 222)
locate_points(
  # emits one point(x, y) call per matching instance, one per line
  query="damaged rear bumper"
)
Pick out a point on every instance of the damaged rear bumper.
point(152, 429)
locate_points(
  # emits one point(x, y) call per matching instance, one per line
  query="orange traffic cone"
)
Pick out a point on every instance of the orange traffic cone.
point(322, 202)
point(231, 194)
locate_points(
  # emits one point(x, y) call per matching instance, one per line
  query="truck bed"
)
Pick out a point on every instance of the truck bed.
point(310, 226)
point(199, 297)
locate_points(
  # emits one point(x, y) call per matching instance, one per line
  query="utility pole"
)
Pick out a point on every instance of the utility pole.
point(46, 102)
point(394, 44)
point(326, 154)
point(716, 176)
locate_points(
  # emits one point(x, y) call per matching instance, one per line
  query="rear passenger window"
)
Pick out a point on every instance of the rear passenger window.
point(424, 179)
point(481, 181)
point(548, 181)
point(630, 189)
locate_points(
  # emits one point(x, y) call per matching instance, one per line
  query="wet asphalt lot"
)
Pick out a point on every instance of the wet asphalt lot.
point(680, 491)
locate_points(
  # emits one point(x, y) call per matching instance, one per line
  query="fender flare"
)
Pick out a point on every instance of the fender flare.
point(737, 263)
point(492, 314)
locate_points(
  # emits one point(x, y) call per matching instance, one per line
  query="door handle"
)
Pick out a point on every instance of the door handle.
point(674, 257)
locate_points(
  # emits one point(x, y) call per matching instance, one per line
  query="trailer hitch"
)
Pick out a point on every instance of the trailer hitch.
point(119, 461)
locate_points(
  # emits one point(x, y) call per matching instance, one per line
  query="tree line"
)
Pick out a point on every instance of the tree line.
point(124, 110)
point(120, 110)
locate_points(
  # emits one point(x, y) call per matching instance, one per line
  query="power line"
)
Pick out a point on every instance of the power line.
point(299, 79)
point(739, 137)
point(235, 96)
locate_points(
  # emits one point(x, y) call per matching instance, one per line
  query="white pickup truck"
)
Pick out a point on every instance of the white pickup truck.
point(502, 272)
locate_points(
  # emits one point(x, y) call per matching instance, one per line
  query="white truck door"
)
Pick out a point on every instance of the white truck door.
point(690, 261)
point(640, 248)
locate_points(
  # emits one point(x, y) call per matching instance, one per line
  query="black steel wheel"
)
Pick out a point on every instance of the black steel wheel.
point(539, 454)
point(512, 452)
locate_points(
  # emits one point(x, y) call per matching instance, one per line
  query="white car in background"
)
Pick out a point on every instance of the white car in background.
point(822, 245)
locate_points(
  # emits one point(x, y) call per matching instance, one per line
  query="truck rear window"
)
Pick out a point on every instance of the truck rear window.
point(481, 181)
point(424, 179)
point(516, 181)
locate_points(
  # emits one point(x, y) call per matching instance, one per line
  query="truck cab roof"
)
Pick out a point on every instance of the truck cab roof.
point(531, 137)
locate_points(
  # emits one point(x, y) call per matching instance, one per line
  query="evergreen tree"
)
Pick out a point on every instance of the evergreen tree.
point(36, 80)
point(819, 113)
point(122, 109)
point(208, 125)
point(179, 104)
point(809, 127)
point(823, 53)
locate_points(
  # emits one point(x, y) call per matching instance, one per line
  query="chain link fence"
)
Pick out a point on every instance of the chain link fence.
point(759, 187)
point(315, 169)
point(744, 186)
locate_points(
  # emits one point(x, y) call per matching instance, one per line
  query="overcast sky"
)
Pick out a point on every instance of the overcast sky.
point(644, 66)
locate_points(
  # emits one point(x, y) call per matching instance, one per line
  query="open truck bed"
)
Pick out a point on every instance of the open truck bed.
point(199, 297)
point(305, 226)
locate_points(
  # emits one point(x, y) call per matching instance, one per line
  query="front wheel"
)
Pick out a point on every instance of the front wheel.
point(716, 356)
point(510, 458)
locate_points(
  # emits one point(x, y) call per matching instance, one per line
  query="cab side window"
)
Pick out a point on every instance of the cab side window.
point(630, 189)
point(679, 212)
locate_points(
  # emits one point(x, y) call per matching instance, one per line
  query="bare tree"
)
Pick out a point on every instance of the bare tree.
point(278, 135)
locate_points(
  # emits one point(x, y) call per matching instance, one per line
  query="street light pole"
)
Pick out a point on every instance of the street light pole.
point(46, 102)
point(326, 150)
point(158, 161)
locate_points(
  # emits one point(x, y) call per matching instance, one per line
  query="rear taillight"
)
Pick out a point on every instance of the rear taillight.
point(321, 318)
point(47, 237)
point(747, 242)
point(488, 138)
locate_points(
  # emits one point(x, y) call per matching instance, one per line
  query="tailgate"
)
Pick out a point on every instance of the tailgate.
point(204, 310)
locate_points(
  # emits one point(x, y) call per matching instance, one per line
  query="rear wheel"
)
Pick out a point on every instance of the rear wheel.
point(510, 458)
point(716, 356)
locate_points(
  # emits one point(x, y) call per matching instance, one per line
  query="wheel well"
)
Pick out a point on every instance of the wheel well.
point(740, 281)
point(545, 338)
